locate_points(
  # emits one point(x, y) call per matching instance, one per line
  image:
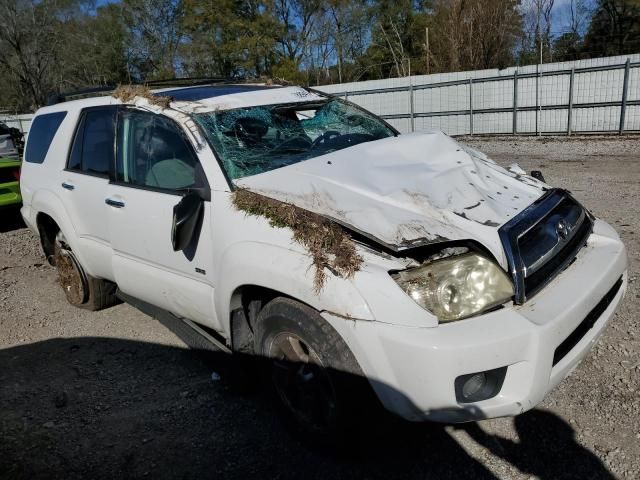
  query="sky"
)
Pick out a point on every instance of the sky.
point(561, 15)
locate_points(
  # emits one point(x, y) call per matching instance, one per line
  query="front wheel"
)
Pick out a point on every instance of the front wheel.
point(316, 381)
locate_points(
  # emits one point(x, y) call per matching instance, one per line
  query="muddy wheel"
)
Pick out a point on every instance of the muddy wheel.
point(81, 289)
point(71, 277)
point(314, 378)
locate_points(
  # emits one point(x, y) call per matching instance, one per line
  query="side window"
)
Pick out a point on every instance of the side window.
point(153, 152)
point(41, 134)
point(92, 150)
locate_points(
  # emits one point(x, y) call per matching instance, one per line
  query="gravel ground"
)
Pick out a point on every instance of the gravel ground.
point(115, 394)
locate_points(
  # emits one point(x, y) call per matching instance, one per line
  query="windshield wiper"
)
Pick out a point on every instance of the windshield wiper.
point(289, 150)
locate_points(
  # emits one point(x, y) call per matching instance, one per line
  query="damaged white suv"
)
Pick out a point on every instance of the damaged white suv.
point(298, 228)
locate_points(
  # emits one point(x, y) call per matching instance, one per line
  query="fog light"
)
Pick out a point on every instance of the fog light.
point(473, 385)
point(479, 386)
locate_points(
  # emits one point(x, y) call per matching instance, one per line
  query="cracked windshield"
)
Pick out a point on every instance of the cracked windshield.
point(258, 139)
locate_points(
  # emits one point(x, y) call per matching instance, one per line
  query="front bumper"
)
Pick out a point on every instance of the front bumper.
point(413, 370)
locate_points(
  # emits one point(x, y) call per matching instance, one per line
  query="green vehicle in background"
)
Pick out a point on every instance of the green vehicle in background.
point(10, 182)
point(11, 146)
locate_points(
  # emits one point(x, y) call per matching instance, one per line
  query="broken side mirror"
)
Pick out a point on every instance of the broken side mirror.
point(186, 217)
point(537, 174)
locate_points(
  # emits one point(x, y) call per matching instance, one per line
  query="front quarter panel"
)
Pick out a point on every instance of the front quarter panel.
point(248, 251)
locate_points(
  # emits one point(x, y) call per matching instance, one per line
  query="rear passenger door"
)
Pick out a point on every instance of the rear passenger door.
point(84, 186)
point(155, 166)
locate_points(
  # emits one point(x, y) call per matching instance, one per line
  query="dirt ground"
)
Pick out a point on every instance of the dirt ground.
point(115, 394)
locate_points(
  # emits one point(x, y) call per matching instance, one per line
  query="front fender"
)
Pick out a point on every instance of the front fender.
point(287, 271)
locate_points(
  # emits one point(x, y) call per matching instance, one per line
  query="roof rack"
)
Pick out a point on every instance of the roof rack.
point(163, 83)
point(78, 94)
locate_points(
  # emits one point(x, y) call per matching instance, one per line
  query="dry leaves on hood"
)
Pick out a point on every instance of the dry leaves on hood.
point(329, 245)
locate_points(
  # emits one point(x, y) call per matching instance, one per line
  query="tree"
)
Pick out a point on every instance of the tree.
point(568, 47)
point(96, 52)
point(347, 26)
point(229, 38)
point(59, 45)
point(498, 27)
point(392, 45)
point(569, 44)
point(537, 39)
point(614, 28)
point(474, 34)
point(29, 47)
point(53, 45)
point(155, 35)
point(296, 19)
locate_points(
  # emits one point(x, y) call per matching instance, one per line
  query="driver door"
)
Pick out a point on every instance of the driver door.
point(155, 165)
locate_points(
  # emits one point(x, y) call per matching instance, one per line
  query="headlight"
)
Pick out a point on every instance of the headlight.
point(456, 287)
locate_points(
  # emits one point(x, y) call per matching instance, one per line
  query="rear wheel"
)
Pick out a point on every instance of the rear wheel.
point(81, 289)
point(316, 381)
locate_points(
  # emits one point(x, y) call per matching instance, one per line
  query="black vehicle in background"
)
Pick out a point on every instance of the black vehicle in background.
point(11, 141)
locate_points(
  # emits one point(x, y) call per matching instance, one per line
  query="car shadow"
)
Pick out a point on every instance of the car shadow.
point(111, 408)
point(546, 448)
point(10, 219)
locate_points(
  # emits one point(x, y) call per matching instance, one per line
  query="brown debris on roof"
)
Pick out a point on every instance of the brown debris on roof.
point(329, 245)
point(128, 93)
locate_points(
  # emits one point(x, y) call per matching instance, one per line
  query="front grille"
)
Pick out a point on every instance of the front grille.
point(543, 239)
point(538, 279)
point(587, 324)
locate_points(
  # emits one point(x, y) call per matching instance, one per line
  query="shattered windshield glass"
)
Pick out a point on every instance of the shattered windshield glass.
point(258, 139)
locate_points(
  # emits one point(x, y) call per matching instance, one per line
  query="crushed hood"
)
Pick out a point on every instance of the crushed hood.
point(406, 191)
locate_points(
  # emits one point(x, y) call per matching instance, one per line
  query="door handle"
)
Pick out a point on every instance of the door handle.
point(68, 186)
point(114, 203)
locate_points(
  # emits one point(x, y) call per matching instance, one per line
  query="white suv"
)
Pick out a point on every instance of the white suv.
point(295, 227)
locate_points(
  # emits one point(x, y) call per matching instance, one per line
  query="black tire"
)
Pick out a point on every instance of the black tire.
point(331, 381)
point(81, 289)
point(102, 294)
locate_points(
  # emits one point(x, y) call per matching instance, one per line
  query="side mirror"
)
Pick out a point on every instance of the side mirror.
point(537, 174)
point(186, 217)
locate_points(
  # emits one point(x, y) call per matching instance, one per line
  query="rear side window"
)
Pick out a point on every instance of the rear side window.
point(41, 133)
point(92, 150)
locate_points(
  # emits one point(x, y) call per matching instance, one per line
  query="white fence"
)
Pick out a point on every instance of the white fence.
point(600, 95)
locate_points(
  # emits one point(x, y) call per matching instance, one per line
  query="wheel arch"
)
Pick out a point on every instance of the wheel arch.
point(49, 216)
point(257, 271)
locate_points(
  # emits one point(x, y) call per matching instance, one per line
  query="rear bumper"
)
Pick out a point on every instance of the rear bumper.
point(413, 370)
point(10, 194)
